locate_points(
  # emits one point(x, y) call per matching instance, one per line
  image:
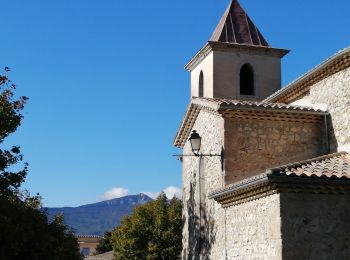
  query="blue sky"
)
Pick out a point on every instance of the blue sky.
point(107, 86)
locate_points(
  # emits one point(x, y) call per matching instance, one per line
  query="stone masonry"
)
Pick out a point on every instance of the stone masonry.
point(251, 145)
point(200, 177)
point(246, 230)
point(333, 93)
point(315, 227)
point(253, 230)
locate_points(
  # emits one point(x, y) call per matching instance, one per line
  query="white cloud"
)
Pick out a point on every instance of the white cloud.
point(173, 191)
point(170, 192)
point(115, 193)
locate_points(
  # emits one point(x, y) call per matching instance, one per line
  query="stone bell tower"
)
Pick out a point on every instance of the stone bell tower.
point(237, 62)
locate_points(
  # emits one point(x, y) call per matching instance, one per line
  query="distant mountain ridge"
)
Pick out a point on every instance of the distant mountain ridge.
point(97, 218)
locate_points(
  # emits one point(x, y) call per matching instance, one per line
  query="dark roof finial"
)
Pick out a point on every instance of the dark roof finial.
point(235, 26)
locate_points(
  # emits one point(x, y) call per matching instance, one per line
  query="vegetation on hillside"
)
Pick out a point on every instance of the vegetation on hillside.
point(153, 231)
point(97, 218)
point(25, 232)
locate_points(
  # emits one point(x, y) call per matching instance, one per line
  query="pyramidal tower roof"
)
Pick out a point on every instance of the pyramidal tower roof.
point(236, 27)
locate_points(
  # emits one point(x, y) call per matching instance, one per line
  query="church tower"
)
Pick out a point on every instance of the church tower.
point(237, 62)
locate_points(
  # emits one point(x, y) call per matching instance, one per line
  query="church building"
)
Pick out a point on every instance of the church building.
point(266, 170)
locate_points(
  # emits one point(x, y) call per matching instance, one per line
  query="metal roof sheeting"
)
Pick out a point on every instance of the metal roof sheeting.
point(235, 26)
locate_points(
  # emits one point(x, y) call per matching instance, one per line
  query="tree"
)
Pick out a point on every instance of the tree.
point(153, 231)
point(10, 119)
point(105, 244)
point(25, 231)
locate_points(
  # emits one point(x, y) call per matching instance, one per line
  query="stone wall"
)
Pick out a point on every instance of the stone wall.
point(202, 175)
point(252, 146)
point(333, 93)
point(253, 230)
point(315, 226)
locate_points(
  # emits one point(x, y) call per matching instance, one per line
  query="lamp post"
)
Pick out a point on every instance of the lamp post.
point(195, 140)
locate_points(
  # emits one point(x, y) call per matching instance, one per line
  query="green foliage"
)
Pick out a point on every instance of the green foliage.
point(25, 232)
point(105, 244)
point(10, 119)
point(153, 231)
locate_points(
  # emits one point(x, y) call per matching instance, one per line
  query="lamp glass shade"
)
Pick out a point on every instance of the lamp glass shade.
point(195, 140)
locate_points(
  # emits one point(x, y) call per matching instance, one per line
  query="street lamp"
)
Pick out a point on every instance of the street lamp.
point(195, 140)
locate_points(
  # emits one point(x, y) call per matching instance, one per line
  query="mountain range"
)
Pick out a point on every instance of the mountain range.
point(97, 218)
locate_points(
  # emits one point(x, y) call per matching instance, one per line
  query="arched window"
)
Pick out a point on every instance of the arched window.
point(247, 80)
point(201, 85)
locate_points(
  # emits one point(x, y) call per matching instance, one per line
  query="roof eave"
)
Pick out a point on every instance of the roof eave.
point(196, 104)
point(200, 55)
point(181, 132)
point(232, 47)
point(322, 66)
point(279, 110)
point(271, 179)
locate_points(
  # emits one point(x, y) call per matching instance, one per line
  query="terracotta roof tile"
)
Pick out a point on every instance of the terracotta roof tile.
point(88, 236)
point(220, 103)
point(335, 166)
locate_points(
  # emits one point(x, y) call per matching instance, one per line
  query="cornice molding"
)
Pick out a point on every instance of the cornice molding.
point(233, 48)
point(265, 185)
point(244, 110)
point(301, 86)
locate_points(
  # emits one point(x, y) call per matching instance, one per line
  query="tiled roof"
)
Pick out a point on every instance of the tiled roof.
point(235, 26)
point(334, 166)
point(222, 104)
point(245, 109)
point(300, 86)
point(328, 174)
point(88, 236)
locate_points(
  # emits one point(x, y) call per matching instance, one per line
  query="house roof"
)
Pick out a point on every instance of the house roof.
point(220, 104)
point(88, 236)
point(105, 256)
point(334, 166)
point(331, 169)
point(242, 109)
point(235, 26)
point(301, 86)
